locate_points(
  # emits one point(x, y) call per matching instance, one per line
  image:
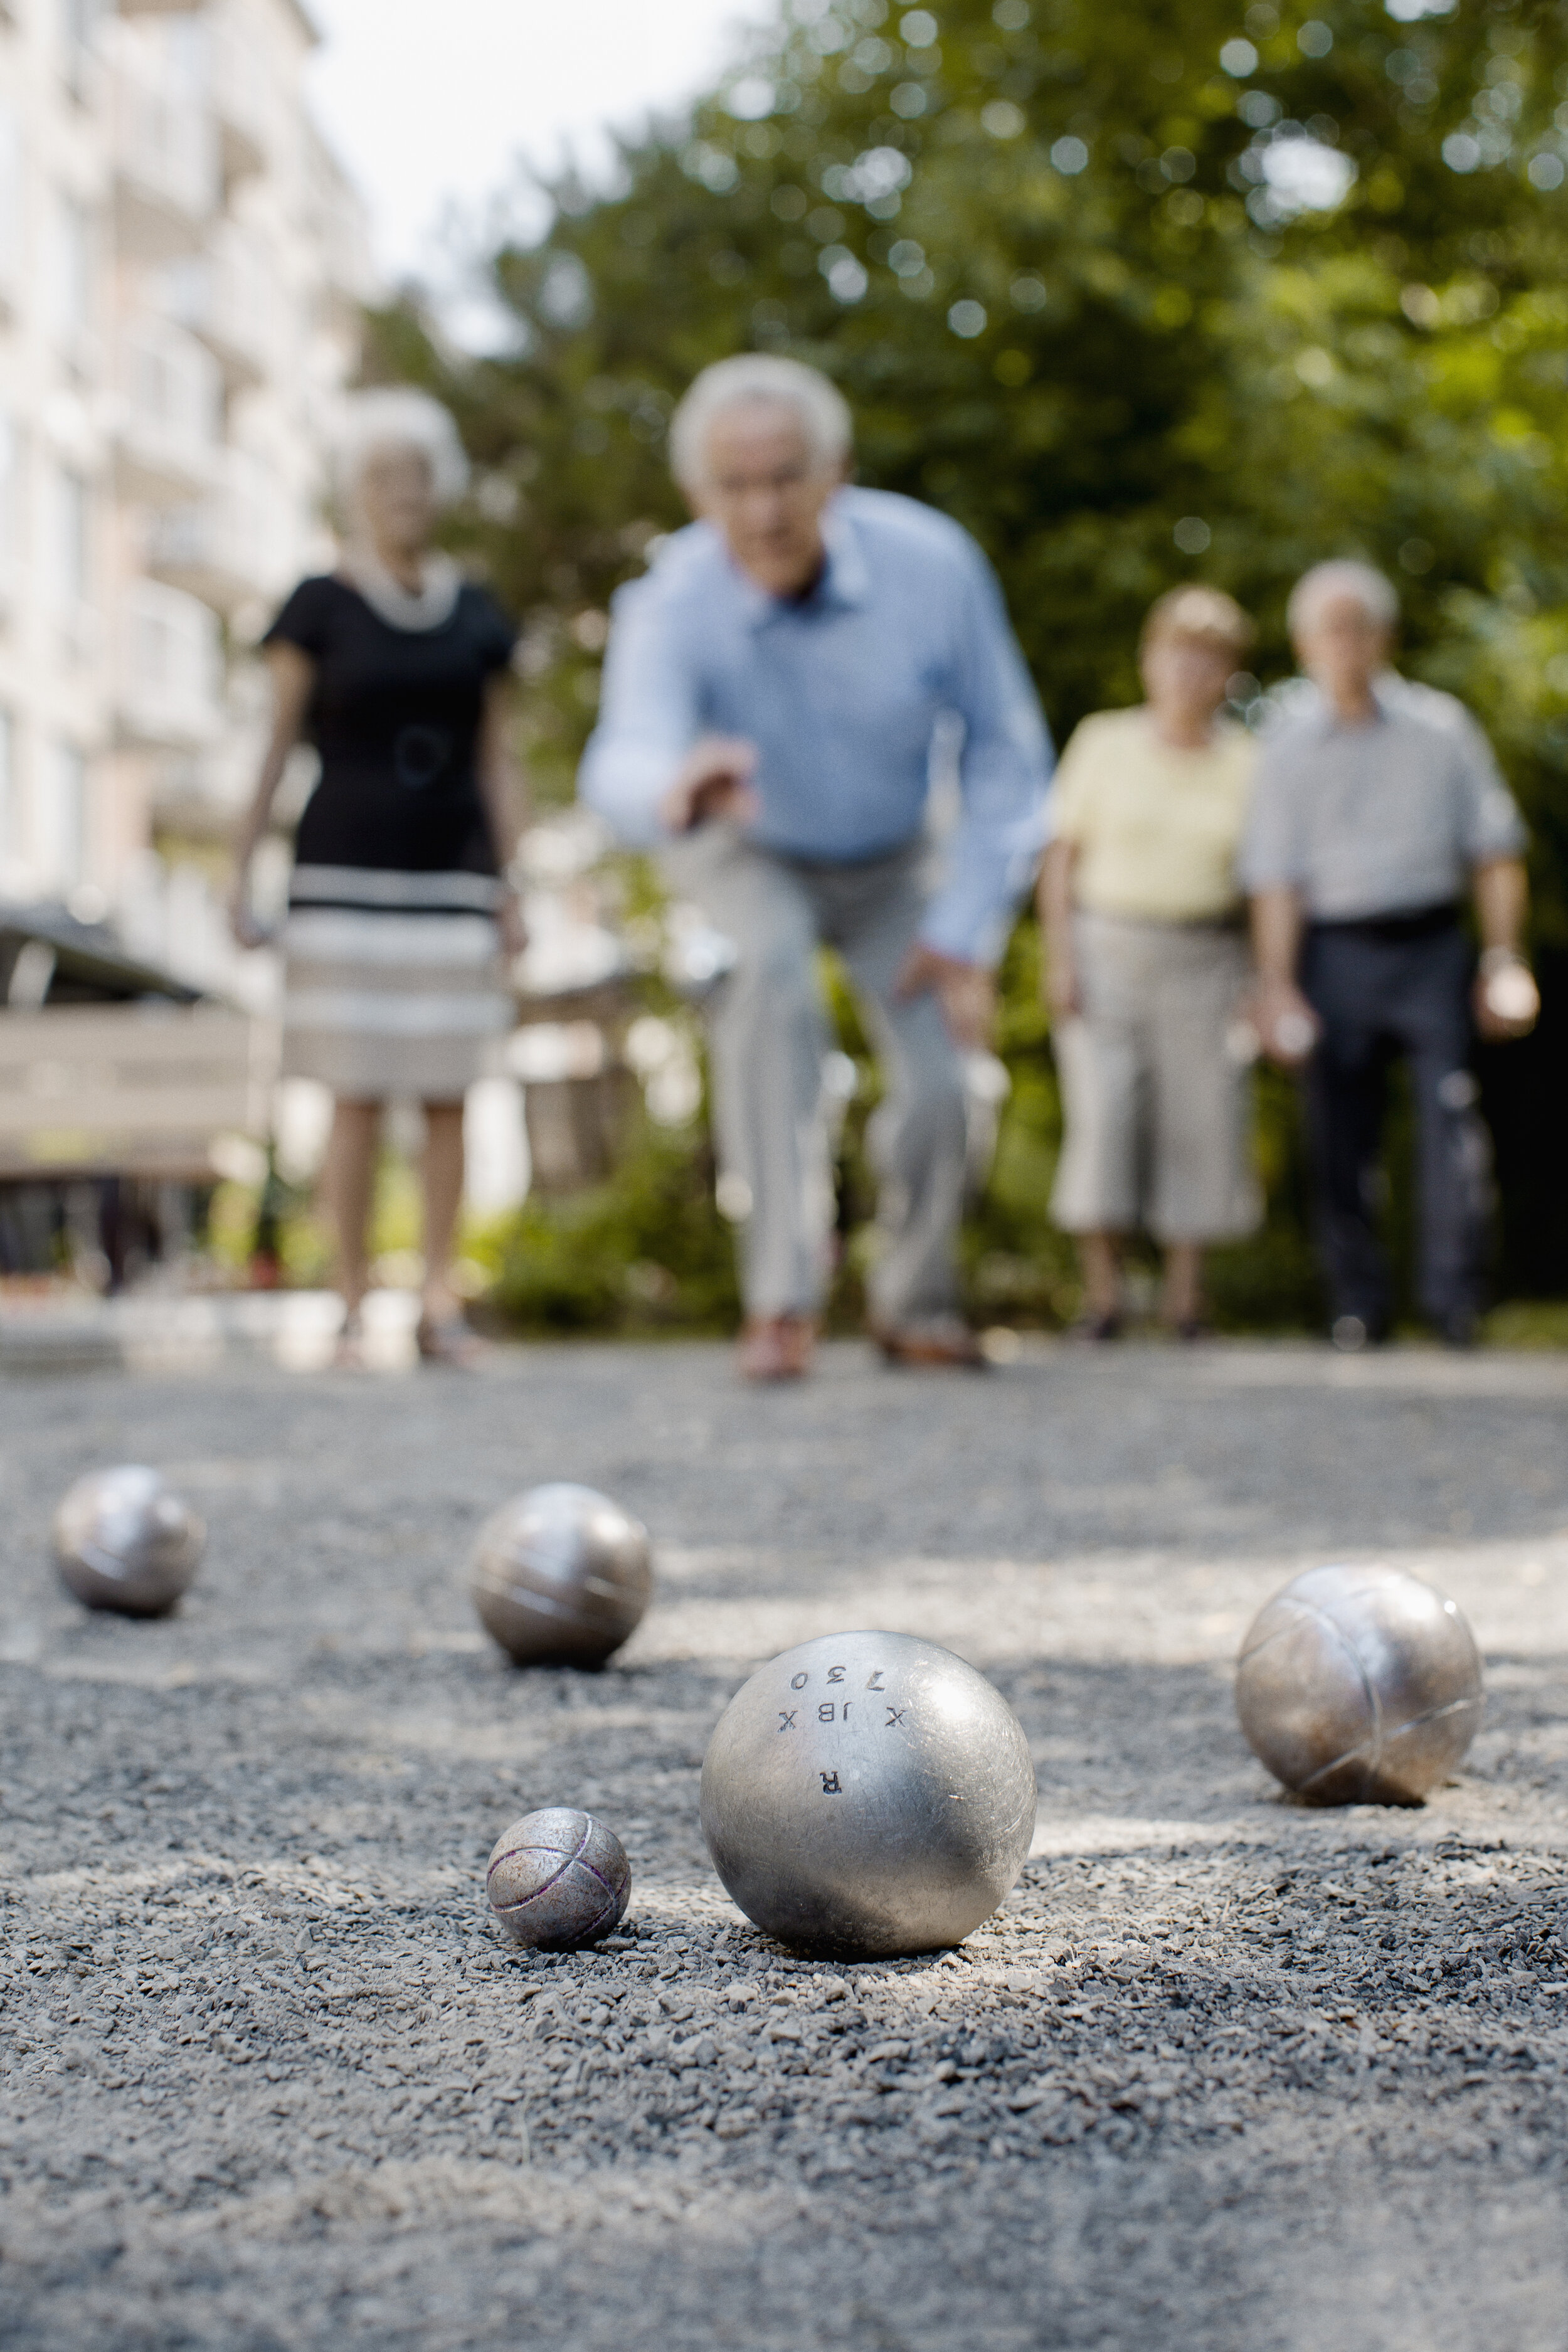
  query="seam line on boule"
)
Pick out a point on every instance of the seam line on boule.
point(1366, 1682)
point(1324, 1770)
point(525, 1847)
point(1435, 1714)
point(553, 1880)
point(525, 1597)
point(511, 1855)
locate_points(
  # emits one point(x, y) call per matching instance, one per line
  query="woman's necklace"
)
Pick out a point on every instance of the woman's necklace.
point(427, 607)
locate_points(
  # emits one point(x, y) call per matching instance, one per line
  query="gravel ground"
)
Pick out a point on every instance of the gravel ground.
point(1223, 2073)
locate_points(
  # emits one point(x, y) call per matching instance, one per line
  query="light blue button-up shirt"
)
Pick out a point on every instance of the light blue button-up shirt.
point(842, 694)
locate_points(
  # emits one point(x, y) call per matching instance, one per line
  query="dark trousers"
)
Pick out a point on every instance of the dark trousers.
point(1383, 990)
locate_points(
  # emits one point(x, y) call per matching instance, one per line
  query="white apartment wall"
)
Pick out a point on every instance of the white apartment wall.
point(54, 533)
point(180, 266)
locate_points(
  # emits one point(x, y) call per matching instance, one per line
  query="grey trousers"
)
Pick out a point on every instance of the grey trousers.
point(1157, 1126)
point(768, 1038)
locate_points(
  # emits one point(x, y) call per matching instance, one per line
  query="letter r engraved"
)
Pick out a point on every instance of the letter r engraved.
point(830, 1786)
point(787, 1722)
point(876, 1681)
point(895, 1715)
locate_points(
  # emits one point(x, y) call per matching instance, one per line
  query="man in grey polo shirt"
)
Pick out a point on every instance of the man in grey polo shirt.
point(1378, 809)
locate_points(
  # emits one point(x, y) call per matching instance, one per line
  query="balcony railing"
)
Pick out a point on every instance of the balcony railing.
point(241, 101)
point(12, 248)
point(225, 298)
point(167, 416)
point(166, 166)
point(171, 670)
point(225, 548)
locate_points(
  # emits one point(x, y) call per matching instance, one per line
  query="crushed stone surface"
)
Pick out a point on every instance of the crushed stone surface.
point(1224, 2072)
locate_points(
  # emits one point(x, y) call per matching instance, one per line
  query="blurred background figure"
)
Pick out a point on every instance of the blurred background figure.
point(772, 691)
point(396, 669)
point(1145, 965)
point(1378, 806)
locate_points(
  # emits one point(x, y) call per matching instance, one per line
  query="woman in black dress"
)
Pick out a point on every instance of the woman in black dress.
point(396, 669)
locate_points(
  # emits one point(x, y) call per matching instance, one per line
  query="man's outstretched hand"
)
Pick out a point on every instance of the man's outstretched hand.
point(1287, 1028)
point(966, 991)
point(715, 780)
point(1506, 1000)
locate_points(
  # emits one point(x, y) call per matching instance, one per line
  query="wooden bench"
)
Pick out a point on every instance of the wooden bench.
point(140, 1090)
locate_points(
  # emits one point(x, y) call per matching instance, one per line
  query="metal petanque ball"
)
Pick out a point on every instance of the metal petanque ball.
point(1358, 1686)
point(868, 1794)
point(123, 1540)
point(561, 1576)
point(557, 1879)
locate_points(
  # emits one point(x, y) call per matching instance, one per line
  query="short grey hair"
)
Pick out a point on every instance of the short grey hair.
point(758, 377)
point(1373, 592)
point(396, 416)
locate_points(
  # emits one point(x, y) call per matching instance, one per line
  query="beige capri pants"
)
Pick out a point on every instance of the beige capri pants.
point(1156, 1102)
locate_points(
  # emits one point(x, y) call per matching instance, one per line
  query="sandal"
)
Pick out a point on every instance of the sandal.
point(447, 1340)
point(347, 1353)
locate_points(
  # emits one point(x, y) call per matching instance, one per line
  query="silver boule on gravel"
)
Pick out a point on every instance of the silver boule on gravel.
point(868, 1794)
point(561, 1576)
point(558, 1879)
point(1358, 1686)
point(124, 1540)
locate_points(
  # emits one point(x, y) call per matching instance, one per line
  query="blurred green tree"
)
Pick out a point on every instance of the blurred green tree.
point(1137, 291)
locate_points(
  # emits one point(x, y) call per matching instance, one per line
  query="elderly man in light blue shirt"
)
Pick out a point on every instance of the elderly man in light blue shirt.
point(773, 691)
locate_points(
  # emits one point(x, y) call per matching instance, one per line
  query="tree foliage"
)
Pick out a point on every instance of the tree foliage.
point(1137, 291)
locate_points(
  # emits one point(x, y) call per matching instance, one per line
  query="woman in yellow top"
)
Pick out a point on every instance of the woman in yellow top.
point(1146, 965)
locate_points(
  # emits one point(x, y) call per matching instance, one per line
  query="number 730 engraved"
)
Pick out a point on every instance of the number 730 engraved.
point(837, 1710)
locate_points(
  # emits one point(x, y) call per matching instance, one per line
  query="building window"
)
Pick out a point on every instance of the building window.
point(78, 33)
point(63, 816)
point(10, 238)
point(10, 807)
point(71, 549)
point(76, 271)
point(173, 672)
point(12, 477)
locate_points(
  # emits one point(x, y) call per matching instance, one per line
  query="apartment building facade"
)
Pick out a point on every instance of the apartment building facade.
point(181, 270)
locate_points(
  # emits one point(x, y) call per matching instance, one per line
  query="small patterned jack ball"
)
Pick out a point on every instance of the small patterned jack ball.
point(561, 1576)
point(1358, 1686)
point(867, 1795)
point(558, 1879)
point(124, 1540)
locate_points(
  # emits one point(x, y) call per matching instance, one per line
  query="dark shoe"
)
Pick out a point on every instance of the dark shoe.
point(1191, 1330)
point(1098, 1330)
point(1459, 1329)
point(943, 1344)
point(1351, 1334)
point(775, 1348)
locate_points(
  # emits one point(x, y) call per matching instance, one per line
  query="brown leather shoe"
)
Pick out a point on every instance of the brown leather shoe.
point(945, 1344)
point(776, 1347)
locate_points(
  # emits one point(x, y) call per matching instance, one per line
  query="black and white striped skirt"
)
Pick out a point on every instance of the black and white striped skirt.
point(394, 983)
